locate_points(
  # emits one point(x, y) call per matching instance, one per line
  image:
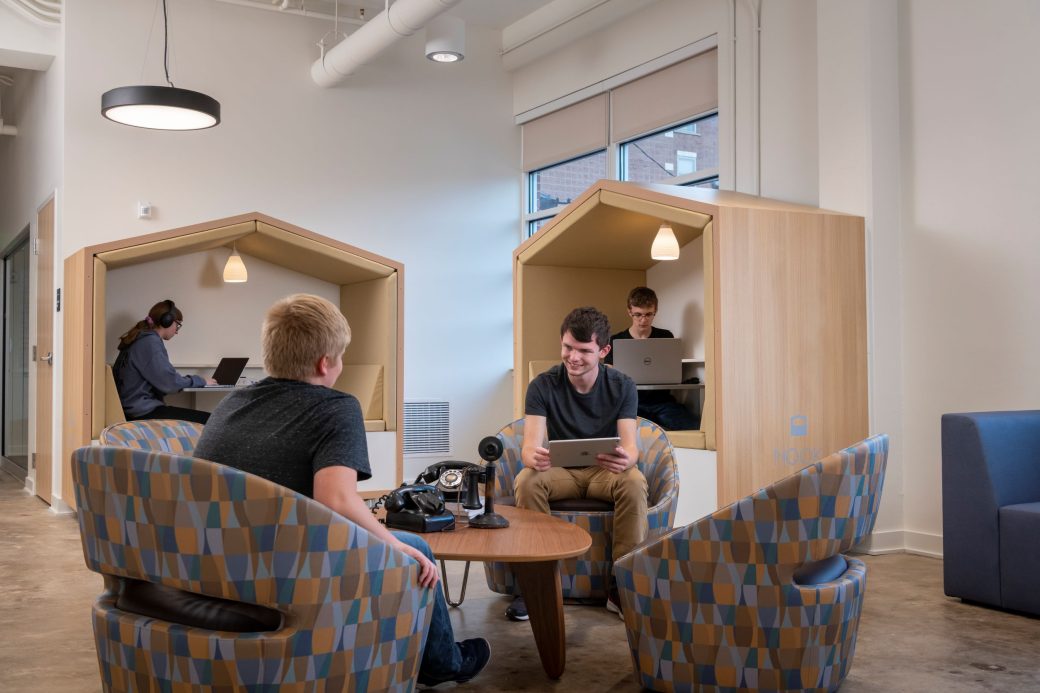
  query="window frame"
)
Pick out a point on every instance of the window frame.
point(530, 218)
point(686, 179)
point(615, 167)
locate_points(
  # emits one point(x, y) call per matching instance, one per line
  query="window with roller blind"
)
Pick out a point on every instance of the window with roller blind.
point(660, 128)
point(680, 155)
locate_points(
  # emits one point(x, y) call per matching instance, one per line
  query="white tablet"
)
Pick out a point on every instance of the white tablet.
point(580, 452)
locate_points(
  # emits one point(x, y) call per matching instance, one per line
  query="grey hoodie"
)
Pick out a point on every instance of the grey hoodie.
point(143, 374)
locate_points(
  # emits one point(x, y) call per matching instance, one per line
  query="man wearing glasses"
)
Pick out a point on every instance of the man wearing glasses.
point(656, 405)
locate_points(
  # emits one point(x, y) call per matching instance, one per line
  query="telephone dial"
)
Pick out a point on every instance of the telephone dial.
point(458, 481)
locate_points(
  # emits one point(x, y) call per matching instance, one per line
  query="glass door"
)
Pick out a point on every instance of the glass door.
point(15, 443)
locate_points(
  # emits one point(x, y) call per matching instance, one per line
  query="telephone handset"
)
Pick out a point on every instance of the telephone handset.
point(450, 477)
point(417, 508)
point(419, 498)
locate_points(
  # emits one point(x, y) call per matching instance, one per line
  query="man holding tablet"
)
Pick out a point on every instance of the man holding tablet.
point(581, 398)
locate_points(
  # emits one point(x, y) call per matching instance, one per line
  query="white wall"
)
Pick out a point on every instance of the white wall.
point(789, 150)
point(859, 153)
point(409, 159)
point(970, 209)
point(219, 319)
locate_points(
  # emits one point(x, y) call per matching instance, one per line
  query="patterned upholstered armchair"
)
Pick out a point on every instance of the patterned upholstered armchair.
point(219, 580)
point(587, 576)
point(757, 596)
point(163, 435)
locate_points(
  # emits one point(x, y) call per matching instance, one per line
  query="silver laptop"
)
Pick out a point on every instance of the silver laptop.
point(229, 370)
point(649, 361)
point(580, 452)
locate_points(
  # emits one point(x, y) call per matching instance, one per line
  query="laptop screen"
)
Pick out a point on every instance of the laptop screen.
point(229, 370)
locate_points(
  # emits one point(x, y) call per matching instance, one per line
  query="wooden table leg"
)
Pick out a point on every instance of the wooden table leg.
point(540, 585)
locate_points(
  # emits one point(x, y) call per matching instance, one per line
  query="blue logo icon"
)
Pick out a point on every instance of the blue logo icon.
point(799, 425)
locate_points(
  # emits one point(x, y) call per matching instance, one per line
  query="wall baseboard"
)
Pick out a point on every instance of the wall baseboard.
point(902, 541)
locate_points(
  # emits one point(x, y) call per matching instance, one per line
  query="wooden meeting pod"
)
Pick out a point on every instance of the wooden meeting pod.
point(370, 292)
point(770, 295)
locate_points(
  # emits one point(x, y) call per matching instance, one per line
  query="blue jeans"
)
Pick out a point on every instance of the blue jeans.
point(671, 416)
point(441, 656)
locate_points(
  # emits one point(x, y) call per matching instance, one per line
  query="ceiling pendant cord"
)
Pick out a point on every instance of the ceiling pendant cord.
point(166, 43)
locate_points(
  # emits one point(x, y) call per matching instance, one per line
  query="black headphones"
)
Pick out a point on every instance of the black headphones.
point(169, 317)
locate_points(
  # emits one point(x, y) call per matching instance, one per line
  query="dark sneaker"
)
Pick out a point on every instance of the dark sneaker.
point(517, 611)
point(614, 603)
point(475, 655)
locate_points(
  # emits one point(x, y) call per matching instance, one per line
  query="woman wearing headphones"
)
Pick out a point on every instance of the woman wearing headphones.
point(144, 374)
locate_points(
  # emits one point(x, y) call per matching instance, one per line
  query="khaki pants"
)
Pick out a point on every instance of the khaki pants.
point(627, 491)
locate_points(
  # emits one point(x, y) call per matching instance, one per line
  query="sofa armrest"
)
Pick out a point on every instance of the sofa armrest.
point(989, 459)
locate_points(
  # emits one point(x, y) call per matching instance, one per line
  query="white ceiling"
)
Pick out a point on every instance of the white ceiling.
point(495, 14)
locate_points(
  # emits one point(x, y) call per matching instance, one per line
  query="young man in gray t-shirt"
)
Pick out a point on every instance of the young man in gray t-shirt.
point(582, 398)
point(295, 430)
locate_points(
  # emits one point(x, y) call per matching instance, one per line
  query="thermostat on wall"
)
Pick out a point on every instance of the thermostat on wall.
point(144, 210)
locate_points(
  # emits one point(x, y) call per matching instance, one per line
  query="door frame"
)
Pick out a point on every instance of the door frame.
point(24, 236)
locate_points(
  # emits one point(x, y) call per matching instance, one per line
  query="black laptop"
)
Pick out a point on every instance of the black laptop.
point(229, 370)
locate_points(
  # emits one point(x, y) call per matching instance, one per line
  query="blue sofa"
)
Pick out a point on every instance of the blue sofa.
point(991, 508)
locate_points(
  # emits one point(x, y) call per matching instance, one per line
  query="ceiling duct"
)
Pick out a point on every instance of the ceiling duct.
point(45, 12)
point(398, 21)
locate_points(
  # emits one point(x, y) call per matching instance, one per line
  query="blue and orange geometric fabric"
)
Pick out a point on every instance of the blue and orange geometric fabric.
point(164, 435)
point(588, 576)
point(353, 615)
point(727, 602)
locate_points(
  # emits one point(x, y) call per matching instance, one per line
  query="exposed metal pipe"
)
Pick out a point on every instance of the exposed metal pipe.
point(45, 12)
point(291, 10)
point(399, 20)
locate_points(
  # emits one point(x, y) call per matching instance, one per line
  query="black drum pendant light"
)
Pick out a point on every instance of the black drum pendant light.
point(158, 107)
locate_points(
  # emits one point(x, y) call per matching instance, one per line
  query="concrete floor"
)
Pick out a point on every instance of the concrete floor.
point(911, 637)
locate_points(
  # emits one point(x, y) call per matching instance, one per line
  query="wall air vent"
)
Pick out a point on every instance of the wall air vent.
point(426, 427)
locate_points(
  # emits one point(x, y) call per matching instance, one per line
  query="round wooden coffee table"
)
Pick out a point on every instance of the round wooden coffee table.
point(533, 545)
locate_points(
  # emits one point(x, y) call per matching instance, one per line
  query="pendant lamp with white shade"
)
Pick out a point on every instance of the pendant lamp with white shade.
point(665, 246)
point(235, 270)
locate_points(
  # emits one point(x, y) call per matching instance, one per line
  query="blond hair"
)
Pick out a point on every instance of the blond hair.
point(298, 331)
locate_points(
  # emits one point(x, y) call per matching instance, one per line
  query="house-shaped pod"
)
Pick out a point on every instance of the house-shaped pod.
point(768, 297)
point(105, 283)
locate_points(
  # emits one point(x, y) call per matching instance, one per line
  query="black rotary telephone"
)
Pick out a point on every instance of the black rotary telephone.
point(417, 508)
point(458, 481)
